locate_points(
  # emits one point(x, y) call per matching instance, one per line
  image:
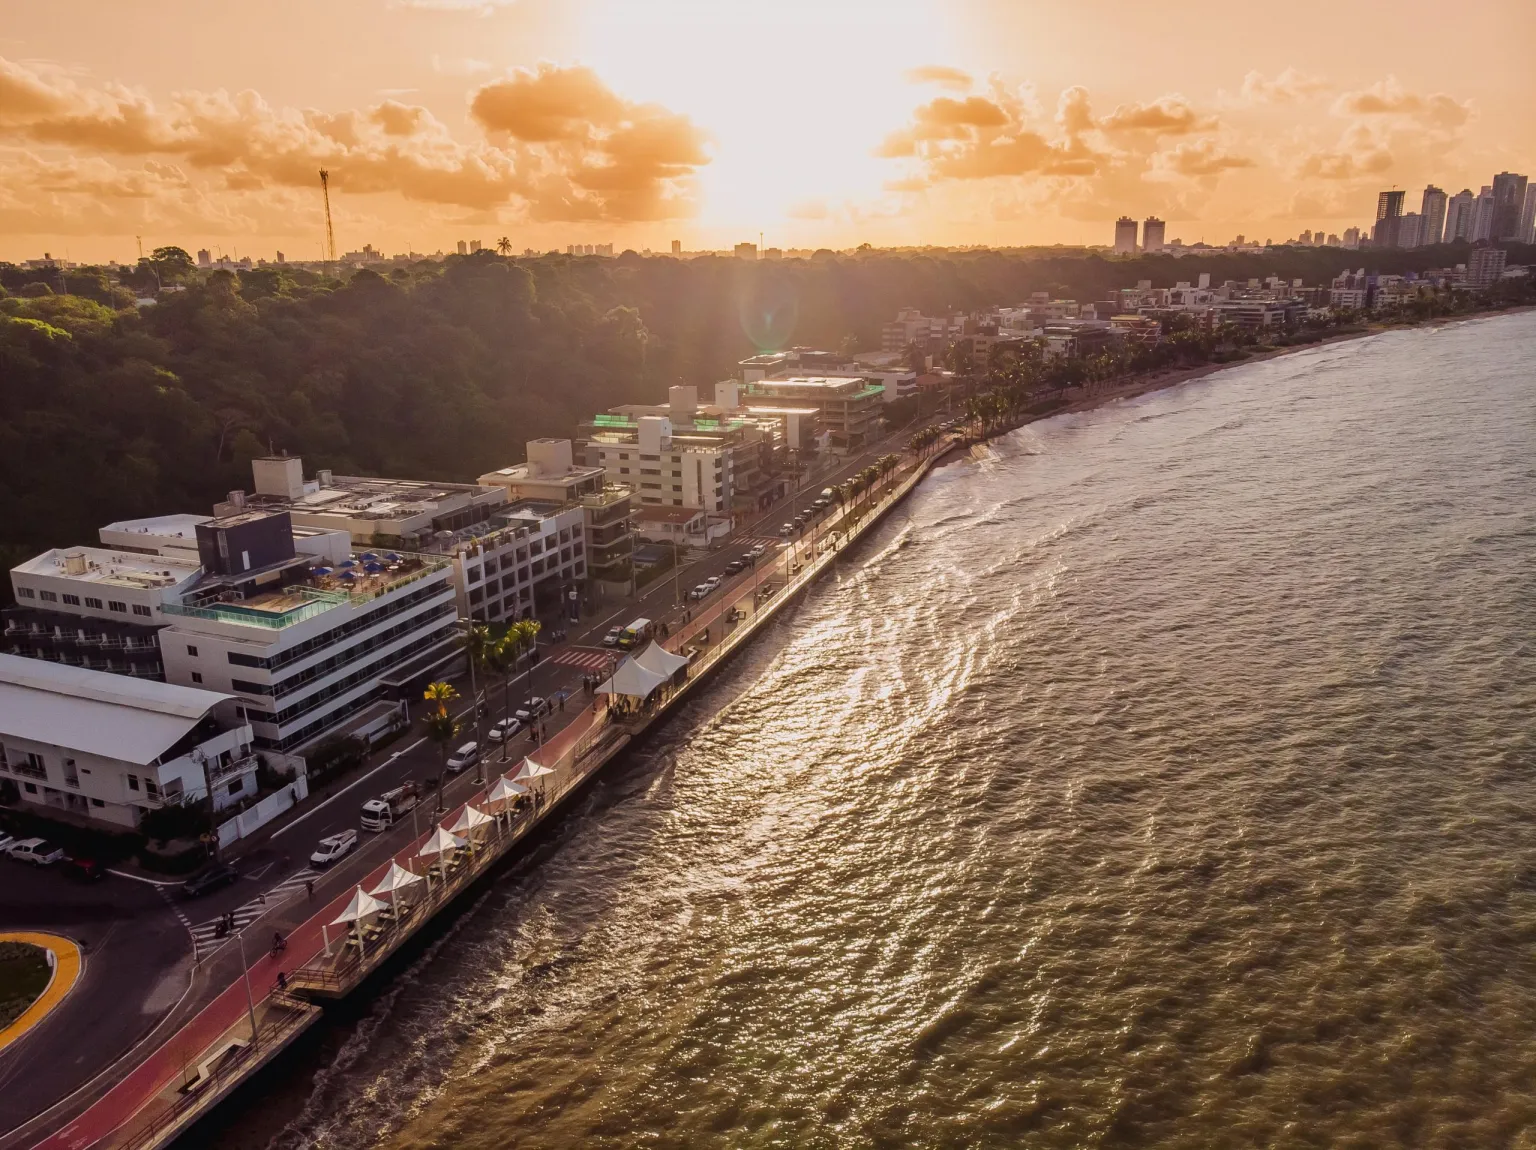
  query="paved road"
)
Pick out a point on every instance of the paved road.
point(279, 890)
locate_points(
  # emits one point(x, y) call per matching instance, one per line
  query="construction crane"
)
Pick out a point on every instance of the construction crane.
point(330, 233)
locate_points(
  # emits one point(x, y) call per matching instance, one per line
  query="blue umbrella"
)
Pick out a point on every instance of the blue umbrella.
point(373, 568)
point(349, 563)
point(322, 570)
point(369, 555)
point(392, 557)
point(348, 575)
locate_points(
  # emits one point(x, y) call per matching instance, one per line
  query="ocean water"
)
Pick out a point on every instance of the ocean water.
point(1168, 781)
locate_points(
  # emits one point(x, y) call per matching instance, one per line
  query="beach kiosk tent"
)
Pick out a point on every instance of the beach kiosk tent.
point(658, 660)
point(395, 880)
point(531, 770)
point(633, 680)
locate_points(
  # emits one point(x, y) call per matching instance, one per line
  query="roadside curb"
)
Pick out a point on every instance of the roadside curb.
point(141, 878)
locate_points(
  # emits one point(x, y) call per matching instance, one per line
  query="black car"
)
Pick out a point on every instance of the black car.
point(735, 565)
point(210, 879)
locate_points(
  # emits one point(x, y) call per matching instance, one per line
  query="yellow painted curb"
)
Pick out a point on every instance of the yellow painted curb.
point(66, 972)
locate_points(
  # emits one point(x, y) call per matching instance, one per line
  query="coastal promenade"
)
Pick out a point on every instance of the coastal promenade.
point(255, 1017)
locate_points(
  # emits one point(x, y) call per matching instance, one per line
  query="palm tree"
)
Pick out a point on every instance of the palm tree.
point(504, 246)
point(477, 649)
point(441, 727)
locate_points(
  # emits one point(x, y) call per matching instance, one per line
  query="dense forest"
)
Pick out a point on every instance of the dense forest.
point(443, 370)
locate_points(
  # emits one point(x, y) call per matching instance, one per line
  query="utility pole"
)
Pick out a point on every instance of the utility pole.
point(245, 974)
point(330, 234)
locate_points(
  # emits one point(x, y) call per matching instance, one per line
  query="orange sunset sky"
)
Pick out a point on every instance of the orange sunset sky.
point(814, 122)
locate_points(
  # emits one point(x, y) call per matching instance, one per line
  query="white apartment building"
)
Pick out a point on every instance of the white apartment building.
point(553, 476)
point(665, 470)
point(523, 562)
point(307, 646)
point(109, 747)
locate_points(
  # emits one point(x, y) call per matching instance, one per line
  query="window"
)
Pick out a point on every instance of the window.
point(193, 652)
point(623, 455)
point(26, 592)
point(537, 546)
point(72, 600)
point(476, 574)
point(31, 766)
point(650, 459)
point(71, 774)
point(48, 596)
point(140, 609)
point(30, 788)
point(151, 789)
point(622, 471)
point(97, 803)
point(650, 471)
point(247, 687)
point(477, 595)
point(234, 787)
point(653, 486)
point(197, 676)
point(116, 605)
point(93, 603)
point(133, 782)
point(677, 503)
point(677, 475)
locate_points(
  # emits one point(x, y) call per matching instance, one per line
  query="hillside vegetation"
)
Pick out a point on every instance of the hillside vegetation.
point(441, 370)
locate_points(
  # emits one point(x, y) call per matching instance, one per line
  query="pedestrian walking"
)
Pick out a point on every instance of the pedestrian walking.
point(282, 981)
point(309, 887)
point(562, 704)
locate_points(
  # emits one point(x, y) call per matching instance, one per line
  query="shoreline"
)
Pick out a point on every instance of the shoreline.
point(1145, 385)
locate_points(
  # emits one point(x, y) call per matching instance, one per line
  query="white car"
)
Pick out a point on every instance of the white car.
point(38, 852)
point(612, 638)
point(504, 729)
point(333, 847)
point(787, 529)
point(536, 706)
point(466, 756)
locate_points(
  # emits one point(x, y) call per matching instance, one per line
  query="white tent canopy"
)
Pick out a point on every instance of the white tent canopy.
point(470, 818)
point(632, 679)
point(362, 905)
point(505, 791)
point(532, 770)
point(396, 879)
point(658, 660)
point(441, 843)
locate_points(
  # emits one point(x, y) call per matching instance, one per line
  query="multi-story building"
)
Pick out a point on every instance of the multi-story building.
point(1261, 313)
point(535, 546)
point(1508, 203)
point(1125, 236)
point(1352, 290)
point(1432, 209)
point(108, 748)
point(1389, 214)
point(1152, 232)
point(1351, 237)
point(1528, 216)
point(96, 608)
point(1482, 220)
point(552, 476)
point(305, 645)
point(911, 326)
point(1410, 230)
point(1460, 216)
point(849, 407)
point(1484, 267)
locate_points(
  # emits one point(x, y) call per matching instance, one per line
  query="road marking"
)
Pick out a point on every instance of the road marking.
point(205, 934)
point(66, 967)
point(591, 660)
point(141, 878)
point(349, 786)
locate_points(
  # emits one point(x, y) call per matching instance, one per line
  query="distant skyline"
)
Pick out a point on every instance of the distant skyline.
point(637, 122)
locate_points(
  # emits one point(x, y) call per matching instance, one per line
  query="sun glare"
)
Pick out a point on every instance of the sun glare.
point(795, 94)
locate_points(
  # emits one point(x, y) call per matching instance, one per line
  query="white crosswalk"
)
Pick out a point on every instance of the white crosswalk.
point(206, 934)
point(587, 658)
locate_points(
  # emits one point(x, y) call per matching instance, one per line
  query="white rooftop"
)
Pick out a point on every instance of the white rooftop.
point(108, 568)
point(178, 530)
point(96, 712)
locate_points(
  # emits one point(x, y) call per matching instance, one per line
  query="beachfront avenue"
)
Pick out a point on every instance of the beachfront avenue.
point(171, 956)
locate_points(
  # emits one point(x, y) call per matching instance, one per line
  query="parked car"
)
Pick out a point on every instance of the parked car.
point(701, 591)
point(758, 552)
point(735, 566)
point(536, 706)
point(713, 581)
point(466, 756)
point(822, 504)
point(334, 847)
point(612, 638)
point(787, 529)
point(38, 852)
point(504, 729)
point(6, 841)
point(82, 869)
point(209, 879)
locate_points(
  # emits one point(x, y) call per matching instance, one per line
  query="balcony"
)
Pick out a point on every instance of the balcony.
point(218, 772)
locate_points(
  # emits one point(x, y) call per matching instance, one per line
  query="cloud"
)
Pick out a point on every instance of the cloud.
point(1389, 98)
point(1166, 116)
point(942, 75)
point(610, 158)
point(1288, 87)
point(460, 66)
point(1197, 158)
point(809, 210)
point(1335, 165)
point(563, 146)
